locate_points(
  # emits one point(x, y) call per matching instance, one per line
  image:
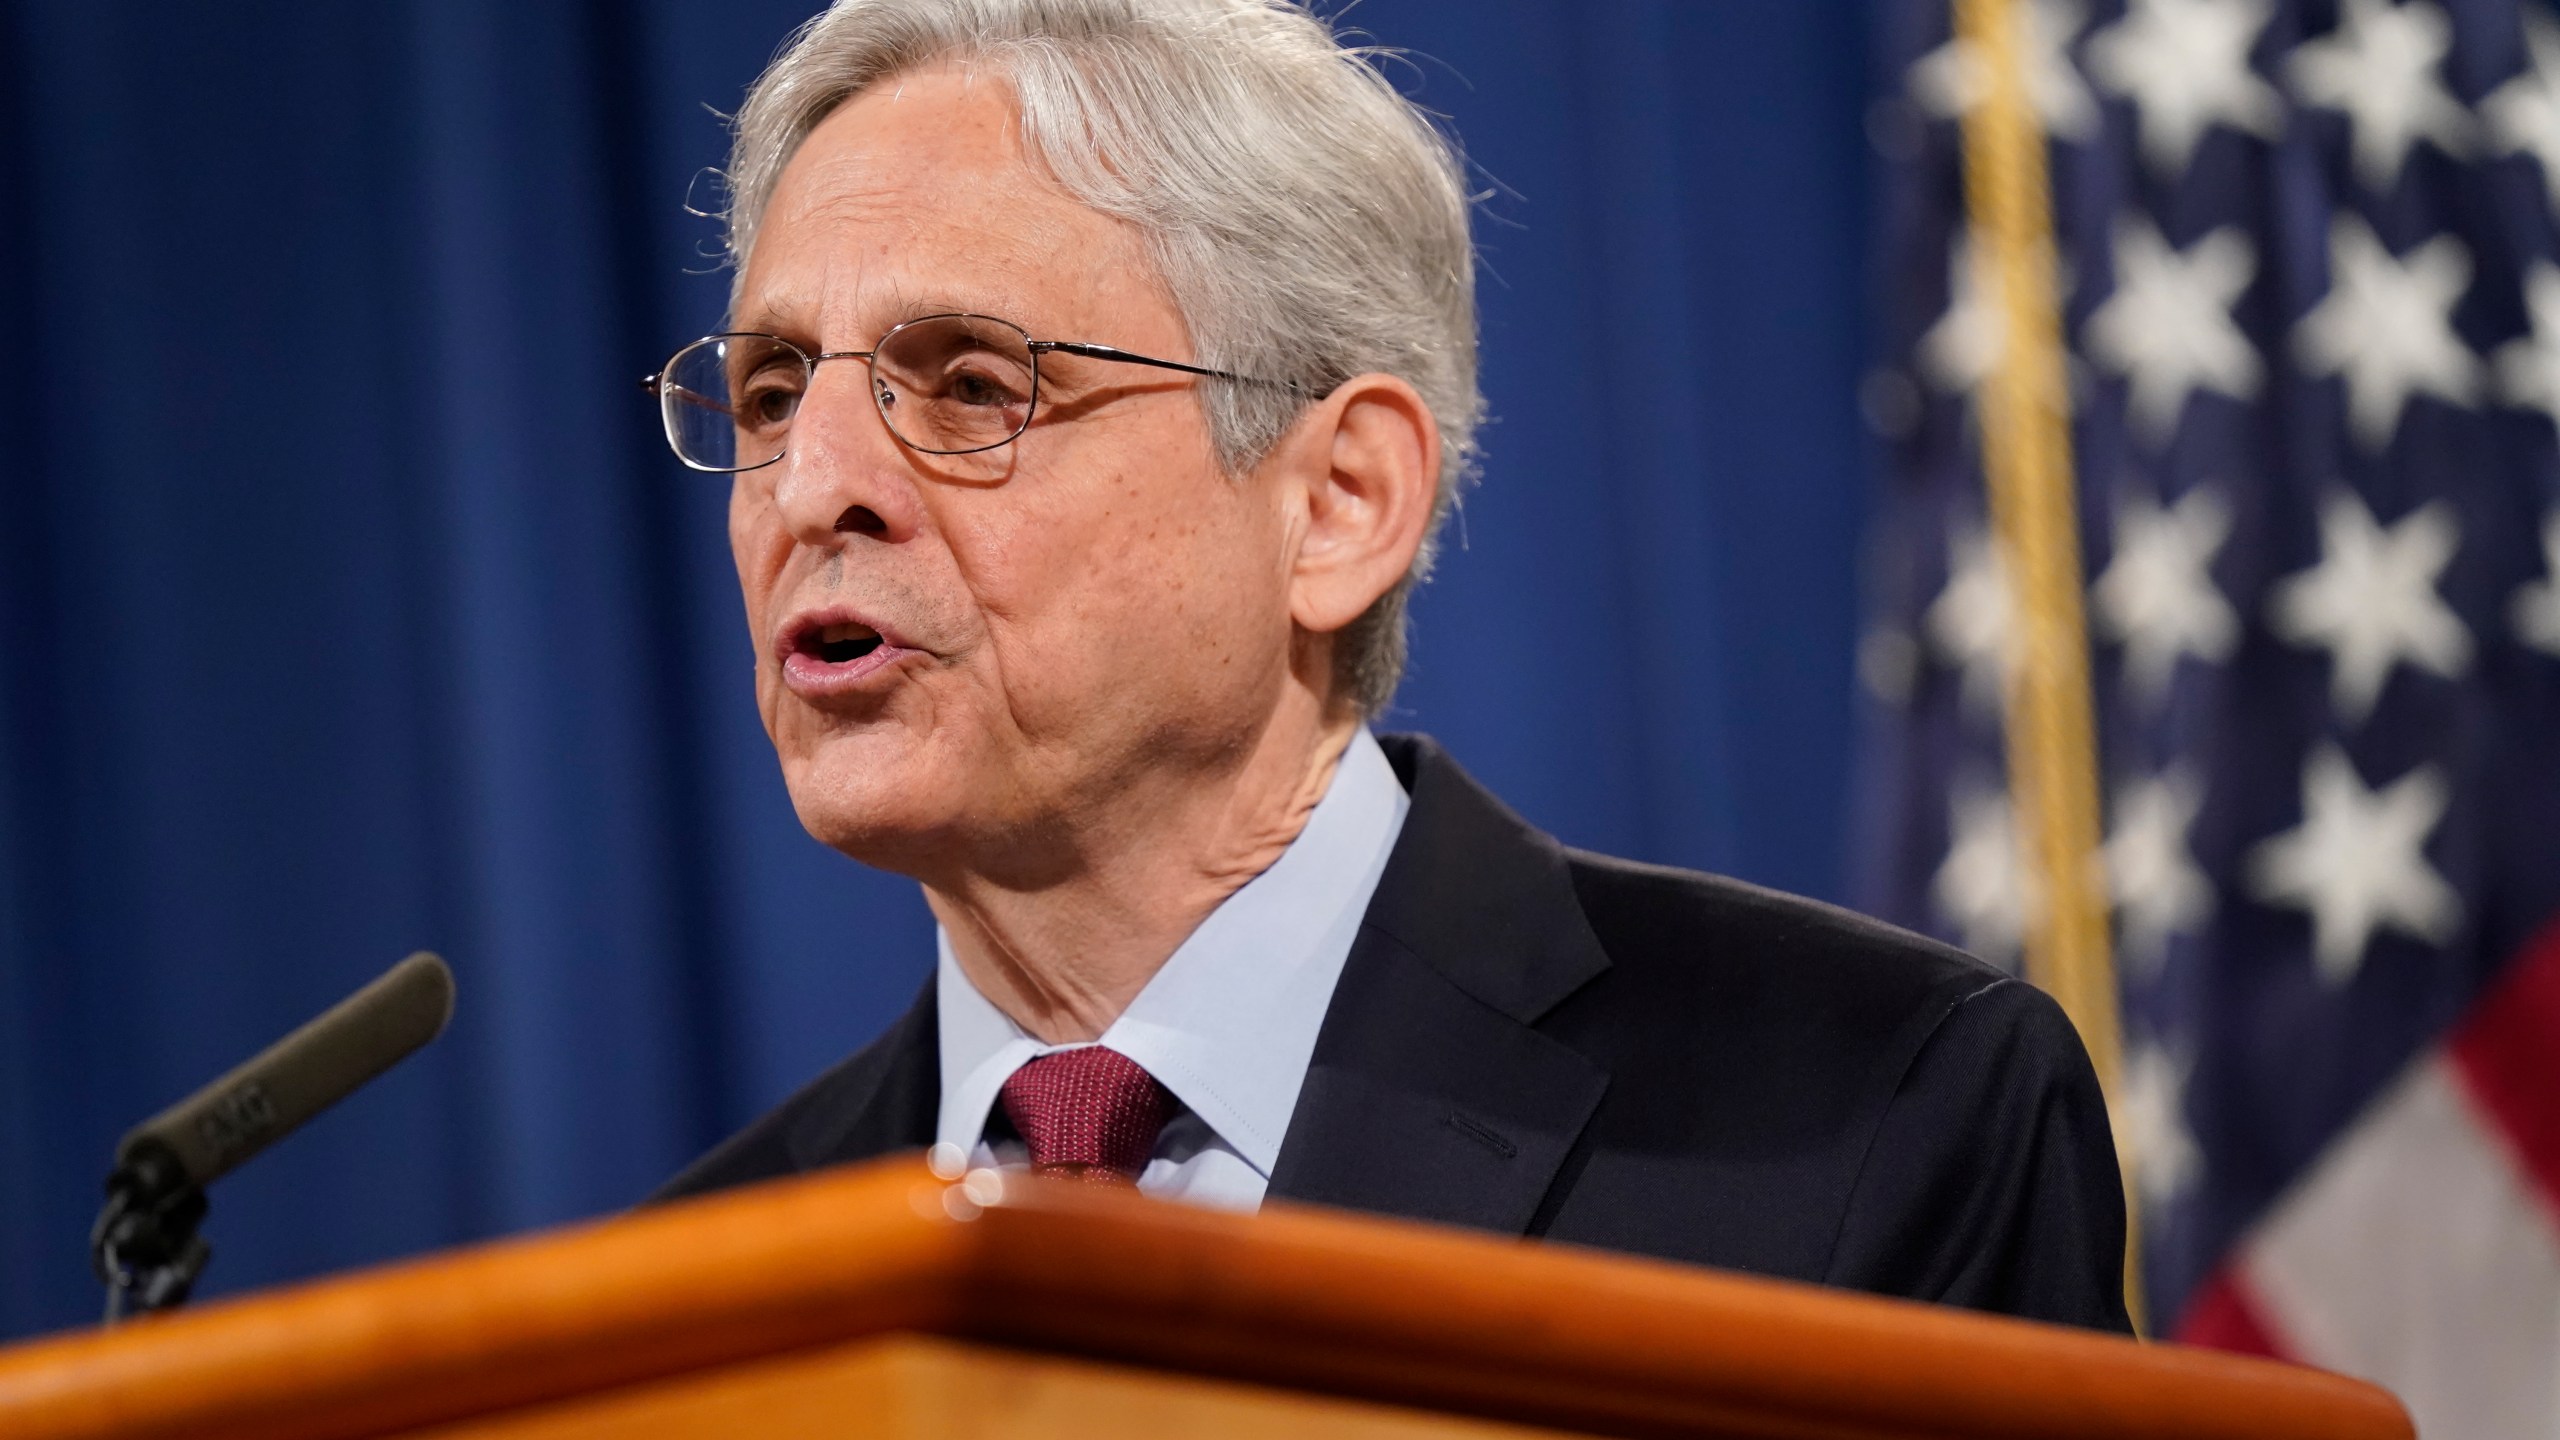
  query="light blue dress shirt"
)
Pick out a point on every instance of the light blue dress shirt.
point(1229, 1024)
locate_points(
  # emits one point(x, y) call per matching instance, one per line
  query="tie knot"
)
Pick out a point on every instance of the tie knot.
point(1092, 1113)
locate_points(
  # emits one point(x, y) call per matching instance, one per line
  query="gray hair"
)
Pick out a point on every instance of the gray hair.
point(1310, 221)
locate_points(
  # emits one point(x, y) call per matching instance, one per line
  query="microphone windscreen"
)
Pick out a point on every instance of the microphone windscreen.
point(301, 1075)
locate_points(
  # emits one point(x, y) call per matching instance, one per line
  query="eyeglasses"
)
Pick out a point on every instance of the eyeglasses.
point(945, 385)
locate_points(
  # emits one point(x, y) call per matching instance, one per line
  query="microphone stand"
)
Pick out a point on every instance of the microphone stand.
point(144, 1246)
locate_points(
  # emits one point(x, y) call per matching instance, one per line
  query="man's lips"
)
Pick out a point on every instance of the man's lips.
point(833, 652)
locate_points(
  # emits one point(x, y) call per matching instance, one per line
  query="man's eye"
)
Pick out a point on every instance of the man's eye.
point(768, 405)
point(970, 385)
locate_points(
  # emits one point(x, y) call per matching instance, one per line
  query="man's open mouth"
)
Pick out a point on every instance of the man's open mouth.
point(836, 654)
point(838, 644)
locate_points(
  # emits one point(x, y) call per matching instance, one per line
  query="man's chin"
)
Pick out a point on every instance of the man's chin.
point(922, 825)
point(881, 817)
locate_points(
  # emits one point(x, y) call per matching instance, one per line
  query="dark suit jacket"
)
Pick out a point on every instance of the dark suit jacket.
point(1538, 1041)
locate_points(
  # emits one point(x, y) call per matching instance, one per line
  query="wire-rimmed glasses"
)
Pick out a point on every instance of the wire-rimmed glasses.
point(945, 385)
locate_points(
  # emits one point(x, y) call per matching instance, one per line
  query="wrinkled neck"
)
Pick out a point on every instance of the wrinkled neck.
point(1064, 959)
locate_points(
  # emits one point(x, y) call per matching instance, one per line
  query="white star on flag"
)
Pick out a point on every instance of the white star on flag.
point(2529, 366)
point(1950, 80)
point(2535, 609)
point(2185, 64)
point(2158, 888)
point(2156, 1147)
point(1961, 349)
point(1974, 619)
point(2157, 597)
point(2379, 66)
point(2372, 601)
point(2356, 862)
point(2168, 326)
point(2387, 326)
point(1981, 887)
point(2524, 113)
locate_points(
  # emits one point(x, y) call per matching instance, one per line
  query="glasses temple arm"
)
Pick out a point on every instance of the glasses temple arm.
point(1105, 352)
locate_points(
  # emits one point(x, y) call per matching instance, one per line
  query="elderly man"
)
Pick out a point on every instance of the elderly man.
point(1098, 374)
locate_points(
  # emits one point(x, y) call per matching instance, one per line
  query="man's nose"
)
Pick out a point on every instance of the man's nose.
point(841, 471)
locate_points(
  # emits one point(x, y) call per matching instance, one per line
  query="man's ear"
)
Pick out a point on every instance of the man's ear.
point(1368, 459)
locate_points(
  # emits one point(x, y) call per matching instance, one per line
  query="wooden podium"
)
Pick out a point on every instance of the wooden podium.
point(881, 1301)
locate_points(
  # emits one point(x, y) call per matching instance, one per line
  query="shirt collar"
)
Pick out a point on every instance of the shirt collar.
point(1229, 1023)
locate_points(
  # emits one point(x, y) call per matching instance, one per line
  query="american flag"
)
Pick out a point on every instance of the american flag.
point(2309, 263)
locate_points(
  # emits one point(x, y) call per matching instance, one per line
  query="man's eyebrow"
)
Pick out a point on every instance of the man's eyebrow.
point(792, 318)
point(772, 318)
point(900, 309)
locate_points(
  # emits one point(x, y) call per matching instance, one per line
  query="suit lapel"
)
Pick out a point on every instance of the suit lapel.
point(1431, 1094)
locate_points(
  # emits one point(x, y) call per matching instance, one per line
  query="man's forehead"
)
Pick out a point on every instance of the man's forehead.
point(853, 281)
point(887, 212)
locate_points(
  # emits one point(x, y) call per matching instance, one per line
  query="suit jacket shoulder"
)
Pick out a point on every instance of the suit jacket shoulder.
point(1812, 1093)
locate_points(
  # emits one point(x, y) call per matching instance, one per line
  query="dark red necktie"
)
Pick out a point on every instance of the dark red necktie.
point(1089, 1114)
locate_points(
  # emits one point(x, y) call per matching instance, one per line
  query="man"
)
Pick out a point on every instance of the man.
point(1099, 372)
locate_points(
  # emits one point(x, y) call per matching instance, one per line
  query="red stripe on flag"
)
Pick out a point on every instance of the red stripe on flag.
point(2223, 1314)
point(2507, 1051)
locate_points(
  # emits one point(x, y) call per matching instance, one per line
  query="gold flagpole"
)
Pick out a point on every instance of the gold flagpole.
point(2024, 407)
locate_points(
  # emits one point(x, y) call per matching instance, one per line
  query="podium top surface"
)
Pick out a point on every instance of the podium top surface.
point(1304, 1299)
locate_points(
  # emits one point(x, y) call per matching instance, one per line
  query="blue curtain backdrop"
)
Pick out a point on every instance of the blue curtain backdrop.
point(349, 604)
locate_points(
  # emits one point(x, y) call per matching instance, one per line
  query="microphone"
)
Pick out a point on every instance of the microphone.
point(144, 1245)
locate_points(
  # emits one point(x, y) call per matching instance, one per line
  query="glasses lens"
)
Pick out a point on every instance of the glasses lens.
point(729, 400)
point(955, 383)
